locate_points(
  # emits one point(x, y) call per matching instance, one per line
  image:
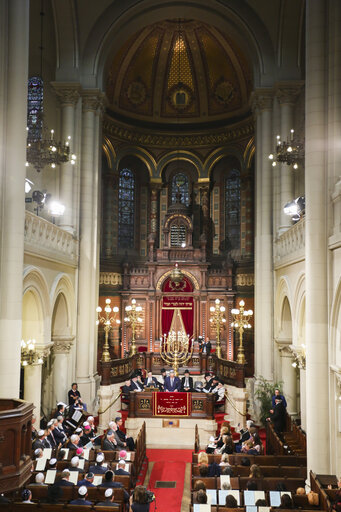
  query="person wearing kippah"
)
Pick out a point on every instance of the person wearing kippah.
point(109, 499)
point(82, 495)
point(121, 468)
point(26, 496)
point(87, 481)
point(98, 468)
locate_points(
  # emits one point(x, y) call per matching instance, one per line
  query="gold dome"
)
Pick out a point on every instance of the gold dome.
point(179, 70)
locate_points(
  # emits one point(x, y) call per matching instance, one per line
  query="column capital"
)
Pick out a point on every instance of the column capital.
point(92, 100)
point(287, 92)
point(68, 93)
point(43, 350)
point(62, 344)
point(262, 99)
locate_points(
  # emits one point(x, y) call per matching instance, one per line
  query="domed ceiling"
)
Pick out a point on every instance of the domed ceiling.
point(179, 70)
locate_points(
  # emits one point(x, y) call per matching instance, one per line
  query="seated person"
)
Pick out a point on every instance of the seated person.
point(75, 400)
point(109, 499)
point(88, 481)
point(82, 495)
point(74, 442)
point(286, 501)
point(227, 446)
point(172, 383)
point(255, 471)
point(26, 496)
point(109, 443)
point(75, 465)
point(201, 497)
point(136, 384)
point(121, 468)
point(162, 378)
point(187, 382)
point(230, 501)
point(139, 500)
point(126, 388)
point(98, 468)
point(64, 481)
point(122, 436)
point(39, 479)
point(219, 392)
point(207, 382)
point(150, 381)
point(199, 485)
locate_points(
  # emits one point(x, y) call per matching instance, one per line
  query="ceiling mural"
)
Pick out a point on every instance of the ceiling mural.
point(179, 69)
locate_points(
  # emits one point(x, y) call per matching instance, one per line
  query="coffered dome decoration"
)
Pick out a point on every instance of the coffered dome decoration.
point(179, 70)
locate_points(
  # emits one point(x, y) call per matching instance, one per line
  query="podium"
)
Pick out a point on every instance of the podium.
point(151, 404)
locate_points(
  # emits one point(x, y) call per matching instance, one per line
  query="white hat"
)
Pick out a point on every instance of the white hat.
point(40, 478)
point(66, 471)
point(74, 461)
point(122, 462)
point(82, 490)
point(41, 433)
point(90, 418)
point(52, 462)
point(78, 430)
point(100, 457)
point(62, 403)
point(37, 451)
point(50, 423)
point(86, 424)
point(108, 493)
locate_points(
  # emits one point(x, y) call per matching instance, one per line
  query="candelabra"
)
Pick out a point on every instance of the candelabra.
point(29, 353)
point(289, 152)
point(108, 320)
point(218, 320)
point(241, 319)
point(133, 319)
point(175, 349)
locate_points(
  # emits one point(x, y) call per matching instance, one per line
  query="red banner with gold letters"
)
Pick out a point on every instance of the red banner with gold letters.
point(171, 404)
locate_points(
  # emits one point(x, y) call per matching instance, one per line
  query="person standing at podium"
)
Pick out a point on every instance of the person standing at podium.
point(206, 347)
point(172, 383)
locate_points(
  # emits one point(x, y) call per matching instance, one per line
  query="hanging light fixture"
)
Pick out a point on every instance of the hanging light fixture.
point(42, 147)
point(290, 152)
point(176, 275)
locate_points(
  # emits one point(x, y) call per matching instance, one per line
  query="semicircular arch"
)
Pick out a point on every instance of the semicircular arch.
point(164, 276)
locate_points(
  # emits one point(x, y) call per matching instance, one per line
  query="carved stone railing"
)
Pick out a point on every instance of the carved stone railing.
point(289, 247)
point(44, 239)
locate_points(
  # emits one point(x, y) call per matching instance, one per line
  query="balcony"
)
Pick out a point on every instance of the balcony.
point(48, 241)
point(289, 247)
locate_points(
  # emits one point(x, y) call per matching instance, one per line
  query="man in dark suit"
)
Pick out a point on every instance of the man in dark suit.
point(278, 416)
point(82, 495)
point(87, 481)
point(150, 381)
point(126, 388)
point(187, 382)
point(128, 440)
point(135, 384)
point(98, 468)
point(121, 468)
point(172, 383)
point(278, 395)
point(109, 499)
point(206, 347)
point(64, 481)
point(39, 442)
point(110, 442)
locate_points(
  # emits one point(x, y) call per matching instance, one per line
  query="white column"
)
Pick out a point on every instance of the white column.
point(264, 286)
point(316, 241)
point(61, 377)
point(286, 94)
point(13, 171)
point(32, 386)
point(303, 404)
point(289, 377)
point(68, 95)
point(88, 258)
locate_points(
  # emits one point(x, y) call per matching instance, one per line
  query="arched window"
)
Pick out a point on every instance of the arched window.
point(180, 184)
point(178, 235)
point(126, 209)
point(232, 209)
point(35, 95)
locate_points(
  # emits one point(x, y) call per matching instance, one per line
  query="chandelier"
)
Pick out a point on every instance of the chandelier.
point(42, 148)
point(288, 152)
point(176, 274)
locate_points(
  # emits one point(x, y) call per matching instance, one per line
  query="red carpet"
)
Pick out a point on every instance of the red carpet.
point(169, 465)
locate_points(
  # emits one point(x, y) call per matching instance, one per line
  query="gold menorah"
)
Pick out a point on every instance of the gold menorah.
point(175, 349)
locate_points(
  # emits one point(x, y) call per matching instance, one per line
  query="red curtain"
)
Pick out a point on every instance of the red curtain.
point(166, 320)
point(187, 317)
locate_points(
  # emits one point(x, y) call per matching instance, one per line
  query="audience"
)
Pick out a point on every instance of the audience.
point(26, 496)
point(286, 501)
point(109, 499)
point(230, 501)
point(82, 495)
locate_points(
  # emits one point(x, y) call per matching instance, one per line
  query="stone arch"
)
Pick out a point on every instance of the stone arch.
point(299, 311)
point(187, 156)
point(121, 20)
point(282, 294)
point(219, 153)
point(36, 306)
point(164, 276)
point(142, 154)
point(335, 327)
point(63, 298)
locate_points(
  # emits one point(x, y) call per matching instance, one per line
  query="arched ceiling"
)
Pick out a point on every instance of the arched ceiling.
point(179, 71)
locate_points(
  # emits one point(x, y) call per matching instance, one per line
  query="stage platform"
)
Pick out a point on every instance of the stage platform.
point(172, 432)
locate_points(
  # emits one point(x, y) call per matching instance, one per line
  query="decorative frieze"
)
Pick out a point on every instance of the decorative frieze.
point(67, 93)
point(245, 280)
point(110, 278)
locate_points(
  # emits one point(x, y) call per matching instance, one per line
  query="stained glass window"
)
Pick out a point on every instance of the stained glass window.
point(180, 185)
point(126, 209)
point(35, 96)
point(232, 209)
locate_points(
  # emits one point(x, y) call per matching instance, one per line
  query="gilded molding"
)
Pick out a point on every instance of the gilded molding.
point(242, 130)
point(245, 280)
point(185, 272)
point(110, 278)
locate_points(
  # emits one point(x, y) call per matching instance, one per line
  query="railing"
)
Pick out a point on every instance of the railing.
point(44, 239)
point(140, 449)
point(289, 247)
point(118, 370)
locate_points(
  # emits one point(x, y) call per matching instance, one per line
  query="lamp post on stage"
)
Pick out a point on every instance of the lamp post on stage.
point(108, 320)
point(241, 319)
point(218, 319)
point(133, 319)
